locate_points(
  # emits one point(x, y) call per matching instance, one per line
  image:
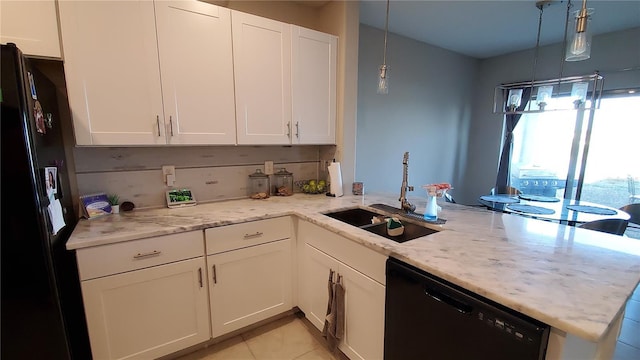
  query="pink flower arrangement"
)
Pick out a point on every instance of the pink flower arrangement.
point(437, 189)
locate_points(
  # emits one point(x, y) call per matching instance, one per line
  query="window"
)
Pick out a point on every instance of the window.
point(614, 150)
point(543, 147)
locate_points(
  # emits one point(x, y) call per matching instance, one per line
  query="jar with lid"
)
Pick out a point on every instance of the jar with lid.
point(283, 183)
point(259, 185)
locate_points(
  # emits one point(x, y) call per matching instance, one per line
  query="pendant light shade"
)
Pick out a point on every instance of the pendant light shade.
point(579, 46)
point(383, 81)
point(383, 73)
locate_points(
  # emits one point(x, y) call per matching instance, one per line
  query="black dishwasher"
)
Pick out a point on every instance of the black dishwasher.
point(429, 318)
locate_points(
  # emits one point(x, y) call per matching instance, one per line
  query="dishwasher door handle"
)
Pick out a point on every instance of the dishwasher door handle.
point(446, 299)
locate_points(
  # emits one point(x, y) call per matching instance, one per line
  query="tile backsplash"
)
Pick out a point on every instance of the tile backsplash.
point(211, 172)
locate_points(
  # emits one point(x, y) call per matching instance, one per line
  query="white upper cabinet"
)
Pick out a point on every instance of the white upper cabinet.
point(262, 69)
point(112, 72)
point(194, 42)
point(187, 72)
point(313, 62)
point(31, 25)
point(131, 85)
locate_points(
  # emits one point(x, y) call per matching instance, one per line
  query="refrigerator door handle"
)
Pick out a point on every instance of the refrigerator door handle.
point(59, 193)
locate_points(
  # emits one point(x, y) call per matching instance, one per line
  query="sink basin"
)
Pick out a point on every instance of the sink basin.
point(411, 231)
point(413, 216)
point(356, 217)
point(361, 218)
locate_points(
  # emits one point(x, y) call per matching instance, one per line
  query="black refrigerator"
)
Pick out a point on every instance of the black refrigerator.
point(42, 316)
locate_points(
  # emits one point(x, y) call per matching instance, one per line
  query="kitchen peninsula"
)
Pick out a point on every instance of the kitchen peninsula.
point(577, 281)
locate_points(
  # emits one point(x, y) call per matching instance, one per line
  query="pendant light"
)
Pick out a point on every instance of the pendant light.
point(383, 79)
point(579, 47)
point(585, 90)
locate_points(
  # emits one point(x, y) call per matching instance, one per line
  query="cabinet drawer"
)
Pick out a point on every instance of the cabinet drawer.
point(110, 259)
point(237, 236)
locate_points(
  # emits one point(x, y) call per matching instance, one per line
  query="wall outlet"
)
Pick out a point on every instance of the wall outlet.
point(168, 174)
point(268, 167)
point(168, 170)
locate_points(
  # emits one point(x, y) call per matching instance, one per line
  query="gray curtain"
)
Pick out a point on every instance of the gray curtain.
point(511, 120)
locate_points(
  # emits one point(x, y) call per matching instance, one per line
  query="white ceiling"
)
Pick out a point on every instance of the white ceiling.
point(482, 29)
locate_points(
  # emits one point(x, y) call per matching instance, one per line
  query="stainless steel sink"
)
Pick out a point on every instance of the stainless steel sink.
point(361, 218)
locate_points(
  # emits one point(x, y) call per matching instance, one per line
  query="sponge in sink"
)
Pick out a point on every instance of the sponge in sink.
point(394, 227)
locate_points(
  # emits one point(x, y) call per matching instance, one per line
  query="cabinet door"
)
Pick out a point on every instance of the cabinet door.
point(313, 284)
point(112, 72)
point(147, 313)
point(313, 64)
point(262, 66)
point(364, 315)
point(31, 25)
point(249, 285)
point(194, 43)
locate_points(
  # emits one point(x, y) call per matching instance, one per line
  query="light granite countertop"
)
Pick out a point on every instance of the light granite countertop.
point(574, 280)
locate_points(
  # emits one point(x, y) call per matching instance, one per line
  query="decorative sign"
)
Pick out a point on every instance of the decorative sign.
point(180, 198)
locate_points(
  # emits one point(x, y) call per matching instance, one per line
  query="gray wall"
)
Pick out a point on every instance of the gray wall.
point(426, 112)
point(610, 53)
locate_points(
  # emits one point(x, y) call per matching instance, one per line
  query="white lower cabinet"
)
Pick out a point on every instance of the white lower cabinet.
point(147, 313)
point(141, 303)
point(249, 285)
point(152, 297)
point(314, 276)
point(364, 315)
point(364, 296)
point(250, 273)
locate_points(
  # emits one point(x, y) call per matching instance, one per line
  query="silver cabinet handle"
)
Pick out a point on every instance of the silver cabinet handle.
point(158, 123)
point(289, 129)
point(171, 124)
point(215, 277)
point(200, 276)
point(254, 235)
point(297, 129)
point(139, 256)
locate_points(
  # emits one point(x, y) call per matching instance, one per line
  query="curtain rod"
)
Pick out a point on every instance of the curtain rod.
point(564, 80)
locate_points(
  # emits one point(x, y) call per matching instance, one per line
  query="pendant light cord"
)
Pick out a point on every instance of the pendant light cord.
point(386, 30)
point(537, 49)
point(564, 42)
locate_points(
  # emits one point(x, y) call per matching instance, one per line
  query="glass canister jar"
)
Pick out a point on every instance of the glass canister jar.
point(283, 183)
point(259, 185)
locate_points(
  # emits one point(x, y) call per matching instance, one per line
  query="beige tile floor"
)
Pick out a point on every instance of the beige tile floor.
point(628, 346)
point(293, 338)
point(284, 339)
